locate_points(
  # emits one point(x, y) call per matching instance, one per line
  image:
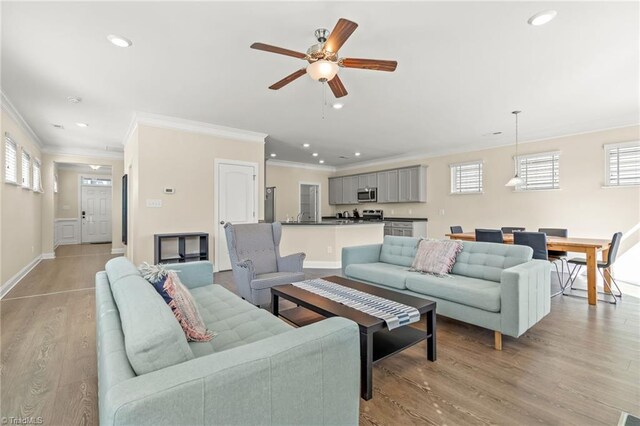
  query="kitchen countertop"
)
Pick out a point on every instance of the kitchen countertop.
point(333, 222)
point(390, 219)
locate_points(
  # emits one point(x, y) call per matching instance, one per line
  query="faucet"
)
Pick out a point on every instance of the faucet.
point(298, 217)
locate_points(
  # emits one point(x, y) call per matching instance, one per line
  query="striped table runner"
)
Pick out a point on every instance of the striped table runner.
point(393, 313)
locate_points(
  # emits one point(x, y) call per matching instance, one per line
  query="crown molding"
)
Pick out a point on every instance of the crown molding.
point(175, 123)
point(294, 165)
point(83, 152)
point(8, 106)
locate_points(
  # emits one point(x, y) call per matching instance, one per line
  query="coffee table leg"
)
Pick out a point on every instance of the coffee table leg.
point(431, 335)
point(366, 366)
point(274, 304)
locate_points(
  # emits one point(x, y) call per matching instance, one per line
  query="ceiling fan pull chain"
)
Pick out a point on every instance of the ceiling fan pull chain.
point(324, 98)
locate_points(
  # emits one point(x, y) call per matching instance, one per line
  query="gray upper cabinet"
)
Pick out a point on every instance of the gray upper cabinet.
point(369, 180)
point(388, 186)
point(335, 191)
point(349, 189)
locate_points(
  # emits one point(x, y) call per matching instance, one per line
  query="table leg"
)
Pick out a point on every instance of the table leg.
point(591, 275)
point(606, 272)
point(274, 304)
point(431, 335)
point(366, 366)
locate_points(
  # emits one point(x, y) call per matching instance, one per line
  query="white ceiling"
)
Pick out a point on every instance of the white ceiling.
point(463, 67)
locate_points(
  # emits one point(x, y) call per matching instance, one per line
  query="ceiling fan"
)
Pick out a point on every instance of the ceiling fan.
point(323, 58)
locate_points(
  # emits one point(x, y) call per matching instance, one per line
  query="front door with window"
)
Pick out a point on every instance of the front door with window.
point(96, 214)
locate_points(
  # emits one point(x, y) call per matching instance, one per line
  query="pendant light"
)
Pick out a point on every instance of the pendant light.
point(516, 180)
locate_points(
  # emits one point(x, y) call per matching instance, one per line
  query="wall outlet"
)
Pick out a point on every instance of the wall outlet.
point(329, 249)
point(154, 203)
point(410, 211)
point(392, 211)
point(441, 212)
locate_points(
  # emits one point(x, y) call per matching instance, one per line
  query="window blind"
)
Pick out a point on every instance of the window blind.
point(10, 160)
point(466, 178)
point(26, 170)
point(539, 171)
point(37, 179)
point(623, 164)
point(55, 183)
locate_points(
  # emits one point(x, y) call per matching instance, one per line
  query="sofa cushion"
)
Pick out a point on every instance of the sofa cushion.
point(268, 280)
point(153, 338)
point(398, 250)
point(235, 321)
point(474, 292)
point(379, 273)
point(120, 267)
point(254, 241)
point(487, 260)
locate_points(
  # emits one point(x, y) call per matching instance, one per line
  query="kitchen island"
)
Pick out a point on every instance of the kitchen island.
point(323, 241)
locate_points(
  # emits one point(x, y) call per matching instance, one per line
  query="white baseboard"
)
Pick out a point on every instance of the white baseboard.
point(322, 265)
point(11, 282)
point(48, 255)
point(117, 250)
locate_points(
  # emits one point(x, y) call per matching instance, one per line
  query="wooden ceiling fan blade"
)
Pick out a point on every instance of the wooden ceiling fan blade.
point(369, 64)
point(341, 32)
point(337, 87)
point(288, 79)
point(279, 50)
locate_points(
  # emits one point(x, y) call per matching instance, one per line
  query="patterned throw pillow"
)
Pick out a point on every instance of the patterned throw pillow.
point(177, 296)
point(436, 257)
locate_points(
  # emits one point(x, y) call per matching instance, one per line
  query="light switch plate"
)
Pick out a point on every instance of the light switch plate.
point(154, 203)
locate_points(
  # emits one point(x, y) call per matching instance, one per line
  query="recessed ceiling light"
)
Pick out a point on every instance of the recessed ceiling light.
point(542, 18)
point(94, 167)
point(273, 154)
point(337, 105)
point(74, 99)
point(315, 154)
point(305, 145)
point(82, 125)
point(321, 161)
point(119, 40)
point(357, 154)
point(58, 126)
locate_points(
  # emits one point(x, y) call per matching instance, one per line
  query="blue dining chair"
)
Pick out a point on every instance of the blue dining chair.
point(490, 235)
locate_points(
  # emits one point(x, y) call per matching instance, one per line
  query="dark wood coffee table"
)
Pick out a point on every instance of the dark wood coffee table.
point(377, 342)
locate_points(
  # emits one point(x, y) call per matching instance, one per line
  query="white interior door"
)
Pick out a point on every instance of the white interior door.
point(237, 203)
point(96, 214)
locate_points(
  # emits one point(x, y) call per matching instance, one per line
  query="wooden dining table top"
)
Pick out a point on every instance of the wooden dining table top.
point(597, 243)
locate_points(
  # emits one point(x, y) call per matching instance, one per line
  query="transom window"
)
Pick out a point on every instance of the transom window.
point(539, 171)
point(90, 181)
point(466, 178)
point(10, 161)
point(26, 170)
point(622, 165)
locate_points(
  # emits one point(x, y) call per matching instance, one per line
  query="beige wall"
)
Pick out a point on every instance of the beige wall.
point(286, 179)
point(184, 161)
point(21, 210)
point(67, 196)
point(50, 205)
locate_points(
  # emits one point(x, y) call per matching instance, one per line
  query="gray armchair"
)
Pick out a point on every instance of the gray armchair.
point(256, 261)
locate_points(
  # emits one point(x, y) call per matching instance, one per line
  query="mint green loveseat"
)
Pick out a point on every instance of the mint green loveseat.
point(495, 286)
point(257, 370)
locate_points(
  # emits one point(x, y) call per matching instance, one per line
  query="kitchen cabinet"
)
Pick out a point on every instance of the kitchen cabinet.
point(388, 186)
point(335, 191)
point(369, 180)
point(412, 185)
point(350, 190)
point(406, 228)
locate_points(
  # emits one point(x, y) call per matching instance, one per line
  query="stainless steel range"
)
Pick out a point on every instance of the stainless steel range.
point(376, 215)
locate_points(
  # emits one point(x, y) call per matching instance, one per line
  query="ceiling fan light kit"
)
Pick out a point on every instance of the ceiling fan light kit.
point(324, 62)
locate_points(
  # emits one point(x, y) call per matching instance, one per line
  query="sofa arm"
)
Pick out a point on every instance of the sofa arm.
point(194, 274)
point(309, 375)
point(291, 263)
point(525, 296)
point(360, 254)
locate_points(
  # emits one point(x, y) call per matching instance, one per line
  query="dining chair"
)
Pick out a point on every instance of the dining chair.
point(456, 229)
point(489, 235)
point(538, 242)
point(558, 255)
point(602, 265)
point(511, 229)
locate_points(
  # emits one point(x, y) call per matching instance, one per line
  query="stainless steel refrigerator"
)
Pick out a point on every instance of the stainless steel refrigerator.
point(270, 204)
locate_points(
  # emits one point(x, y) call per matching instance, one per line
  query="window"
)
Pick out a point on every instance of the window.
point(539, 171)
point(37, 179)
point(10, 161)
point(622, 165)
point(466, 178)
point(26, 170)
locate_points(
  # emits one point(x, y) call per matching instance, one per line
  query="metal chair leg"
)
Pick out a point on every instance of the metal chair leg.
point(560, 278)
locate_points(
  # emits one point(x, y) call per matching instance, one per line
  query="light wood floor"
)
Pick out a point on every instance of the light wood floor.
point(579, 366)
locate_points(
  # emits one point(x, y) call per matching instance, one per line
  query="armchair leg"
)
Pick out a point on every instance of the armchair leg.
point(497, 340)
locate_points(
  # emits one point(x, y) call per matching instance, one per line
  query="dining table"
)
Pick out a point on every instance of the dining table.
point(589, 246)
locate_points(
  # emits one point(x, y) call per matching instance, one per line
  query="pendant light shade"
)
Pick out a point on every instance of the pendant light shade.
point(516, 180)
point(322, 70)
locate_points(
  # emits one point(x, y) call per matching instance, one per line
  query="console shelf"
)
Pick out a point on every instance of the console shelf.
point(181, 247)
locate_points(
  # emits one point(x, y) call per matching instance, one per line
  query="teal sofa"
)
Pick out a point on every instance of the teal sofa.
point(256, 370)
point(495, 286)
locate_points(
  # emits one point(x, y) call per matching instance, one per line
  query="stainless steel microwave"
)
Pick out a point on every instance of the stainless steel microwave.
point(367, 195)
